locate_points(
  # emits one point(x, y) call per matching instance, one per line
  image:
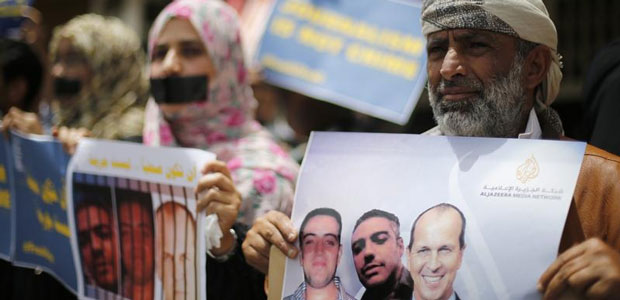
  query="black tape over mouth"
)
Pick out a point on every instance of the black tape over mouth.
point(175, 89)
point(65, 87)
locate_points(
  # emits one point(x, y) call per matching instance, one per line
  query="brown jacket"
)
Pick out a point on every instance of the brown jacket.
point(595, 210)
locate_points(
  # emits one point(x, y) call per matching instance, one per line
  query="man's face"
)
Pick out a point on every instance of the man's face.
point(435, 255)
point(136, 225)
point(97, 239)
point(475, 83)
point(175, 263)
point(377, 250)
point(320, 250)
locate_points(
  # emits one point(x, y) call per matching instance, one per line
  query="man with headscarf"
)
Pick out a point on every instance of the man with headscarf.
point(493, 71)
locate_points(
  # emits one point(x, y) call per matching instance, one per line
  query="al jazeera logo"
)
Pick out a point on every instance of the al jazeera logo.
point(528, 170)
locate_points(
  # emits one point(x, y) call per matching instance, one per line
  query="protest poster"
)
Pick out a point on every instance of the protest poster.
point(488, 214)
point(365, 55)
point(42, 236)
point(7, 195)
point(136, 231)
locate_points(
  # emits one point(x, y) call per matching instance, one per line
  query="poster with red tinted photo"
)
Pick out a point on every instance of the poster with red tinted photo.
point(137, 234)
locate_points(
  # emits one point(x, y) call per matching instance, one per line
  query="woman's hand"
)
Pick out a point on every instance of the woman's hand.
point(273, 228)
point(70, 137)
point(217, 195)
point(22, 121)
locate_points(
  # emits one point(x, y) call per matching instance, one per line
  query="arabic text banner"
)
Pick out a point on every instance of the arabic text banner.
point(133, 211)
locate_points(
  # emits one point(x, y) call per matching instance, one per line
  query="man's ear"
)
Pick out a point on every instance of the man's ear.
point(409, 265)
point(461, 253)
point(401, 245)
point(536, 66)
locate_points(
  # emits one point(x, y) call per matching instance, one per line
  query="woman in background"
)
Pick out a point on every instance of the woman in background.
point(97, 67)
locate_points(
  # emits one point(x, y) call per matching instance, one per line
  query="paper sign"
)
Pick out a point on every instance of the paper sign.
point(488, 214)
point(366, 55)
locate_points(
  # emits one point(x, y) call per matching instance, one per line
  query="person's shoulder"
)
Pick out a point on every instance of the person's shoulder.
point(598, 154)
point(298, 294)
point(599, 170)
point(596, 198)
point(596, 157)
point(599, 164)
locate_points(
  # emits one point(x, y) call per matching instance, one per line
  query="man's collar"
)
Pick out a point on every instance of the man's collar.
point(532, 129)
point(300, 292)
point(452, 297)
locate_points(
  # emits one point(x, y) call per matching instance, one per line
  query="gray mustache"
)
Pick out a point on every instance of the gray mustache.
point(461, 82)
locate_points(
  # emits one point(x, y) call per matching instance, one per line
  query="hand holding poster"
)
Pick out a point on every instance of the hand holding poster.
point(469, 218)
point(138, 233)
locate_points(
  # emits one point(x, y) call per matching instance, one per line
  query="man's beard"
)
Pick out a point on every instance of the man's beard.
point(496, 112)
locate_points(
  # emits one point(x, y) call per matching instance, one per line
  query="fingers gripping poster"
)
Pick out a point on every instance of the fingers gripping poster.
point(137, 233)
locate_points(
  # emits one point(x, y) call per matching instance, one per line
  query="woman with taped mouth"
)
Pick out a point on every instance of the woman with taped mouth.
point(201, 98)
point(99, 84)
point(100, 87)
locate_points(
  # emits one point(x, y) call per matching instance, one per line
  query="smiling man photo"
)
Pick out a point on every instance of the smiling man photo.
point(436, 252)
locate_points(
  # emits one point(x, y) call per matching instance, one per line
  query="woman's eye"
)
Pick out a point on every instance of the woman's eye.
point(159, 54)
point(191, 51)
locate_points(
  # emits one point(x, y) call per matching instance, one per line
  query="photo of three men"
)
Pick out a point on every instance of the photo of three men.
point(433, 254)
point(129, 246)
